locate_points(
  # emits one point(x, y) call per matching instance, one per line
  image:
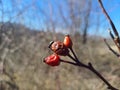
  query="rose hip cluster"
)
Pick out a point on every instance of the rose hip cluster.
point(60, 49)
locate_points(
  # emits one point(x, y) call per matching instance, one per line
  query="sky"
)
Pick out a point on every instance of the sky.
point(32, 12)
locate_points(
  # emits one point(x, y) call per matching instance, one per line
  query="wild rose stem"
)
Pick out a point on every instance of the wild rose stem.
point(89, 67)
point(114, 52)
point(112, 36)
point(70, 56)
point(76, 58)
point(109, 19)
point(116, 38)
point(69, 62)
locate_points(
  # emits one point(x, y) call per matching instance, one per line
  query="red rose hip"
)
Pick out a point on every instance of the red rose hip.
point(52, 60)
point(67, 41)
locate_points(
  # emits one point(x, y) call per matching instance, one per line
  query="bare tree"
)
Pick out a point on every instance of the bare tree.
point(86, 21)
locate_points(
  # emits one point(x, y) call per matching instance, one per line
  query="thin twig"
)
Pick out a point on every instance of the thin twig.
point(112, 36)
point(70, 56)
point(69, 62)
point(116, 39)
point(108, 17)
point(76, 58)
point(116, 54)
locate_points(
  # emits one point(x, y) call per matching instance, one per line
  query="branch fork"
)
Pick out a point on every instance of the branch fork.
point(89, 66)
point(115, 37)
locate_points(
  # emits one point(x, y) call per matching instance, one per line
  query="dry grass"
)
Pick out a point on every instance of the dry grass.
point(30, 73)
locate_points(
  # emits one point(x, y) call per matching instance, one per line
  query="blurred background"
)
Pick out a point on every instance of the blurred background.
point(27, 27)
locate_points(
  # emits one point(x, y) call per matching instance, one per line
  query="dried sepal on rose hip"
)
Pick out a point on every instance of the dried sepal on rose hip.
point(59, 48)
point(52, 60)
point(67, 41)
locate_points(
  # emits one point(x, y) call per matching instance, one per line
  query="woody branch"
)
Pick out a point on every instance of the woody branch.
point(114, 37)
